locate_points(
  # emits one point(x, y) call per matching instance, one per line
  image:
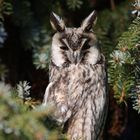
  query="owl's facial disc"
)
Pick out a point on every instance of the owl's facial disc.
point(74, 44)
point(73, 52)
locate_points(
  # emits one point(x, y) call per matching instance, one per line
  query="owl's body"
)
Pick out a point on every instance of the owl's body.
point(77, 85)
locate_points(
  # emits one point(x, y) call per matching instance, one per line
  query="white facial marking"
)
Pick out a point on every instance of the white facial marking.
point(57, 56)
point(93, 56)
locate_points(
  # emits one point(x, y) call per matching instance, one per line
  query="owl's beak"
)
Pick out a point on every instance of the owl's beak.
point(75, 57)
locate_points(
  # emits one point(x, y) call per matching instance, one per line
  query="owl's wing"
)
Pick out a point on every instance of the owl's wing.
point(45, 100)
point(56, 95)
point(103, 98)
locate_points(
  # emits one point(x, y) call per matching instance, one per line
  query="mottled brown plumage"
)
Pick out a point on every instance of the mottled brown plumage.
point(77, 87)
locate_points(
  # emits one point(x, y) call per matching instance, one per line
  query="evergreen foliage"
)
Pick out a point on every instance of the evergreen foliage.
point(5, 9)
point(110, 25)
point(124, 63)
point(73, 4)
point(19, 121)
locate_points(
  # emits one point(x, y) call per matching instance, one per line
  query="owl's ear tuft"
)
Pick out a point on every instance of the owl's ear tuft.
point(89, 21)
point(57, 23)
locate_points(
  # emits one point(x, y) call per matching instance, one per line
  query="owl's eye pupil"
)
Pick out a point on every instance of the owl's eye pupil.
point(86, 46)
point(64, 47)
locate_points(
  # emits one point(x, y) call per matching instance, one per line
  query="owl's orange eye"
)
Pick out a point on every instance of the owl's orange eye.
point(64, 48)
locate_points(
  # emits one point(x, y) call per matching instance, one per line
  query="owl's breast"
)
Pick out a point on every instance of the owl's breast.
point(80, 80)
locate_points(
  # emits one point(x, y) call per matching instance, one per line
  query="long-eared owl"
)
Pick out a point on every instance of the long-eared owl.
point(78, 83)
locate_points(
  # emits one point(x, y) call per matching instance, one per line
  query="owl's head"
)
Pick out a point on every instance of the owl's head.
point(74, 45)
